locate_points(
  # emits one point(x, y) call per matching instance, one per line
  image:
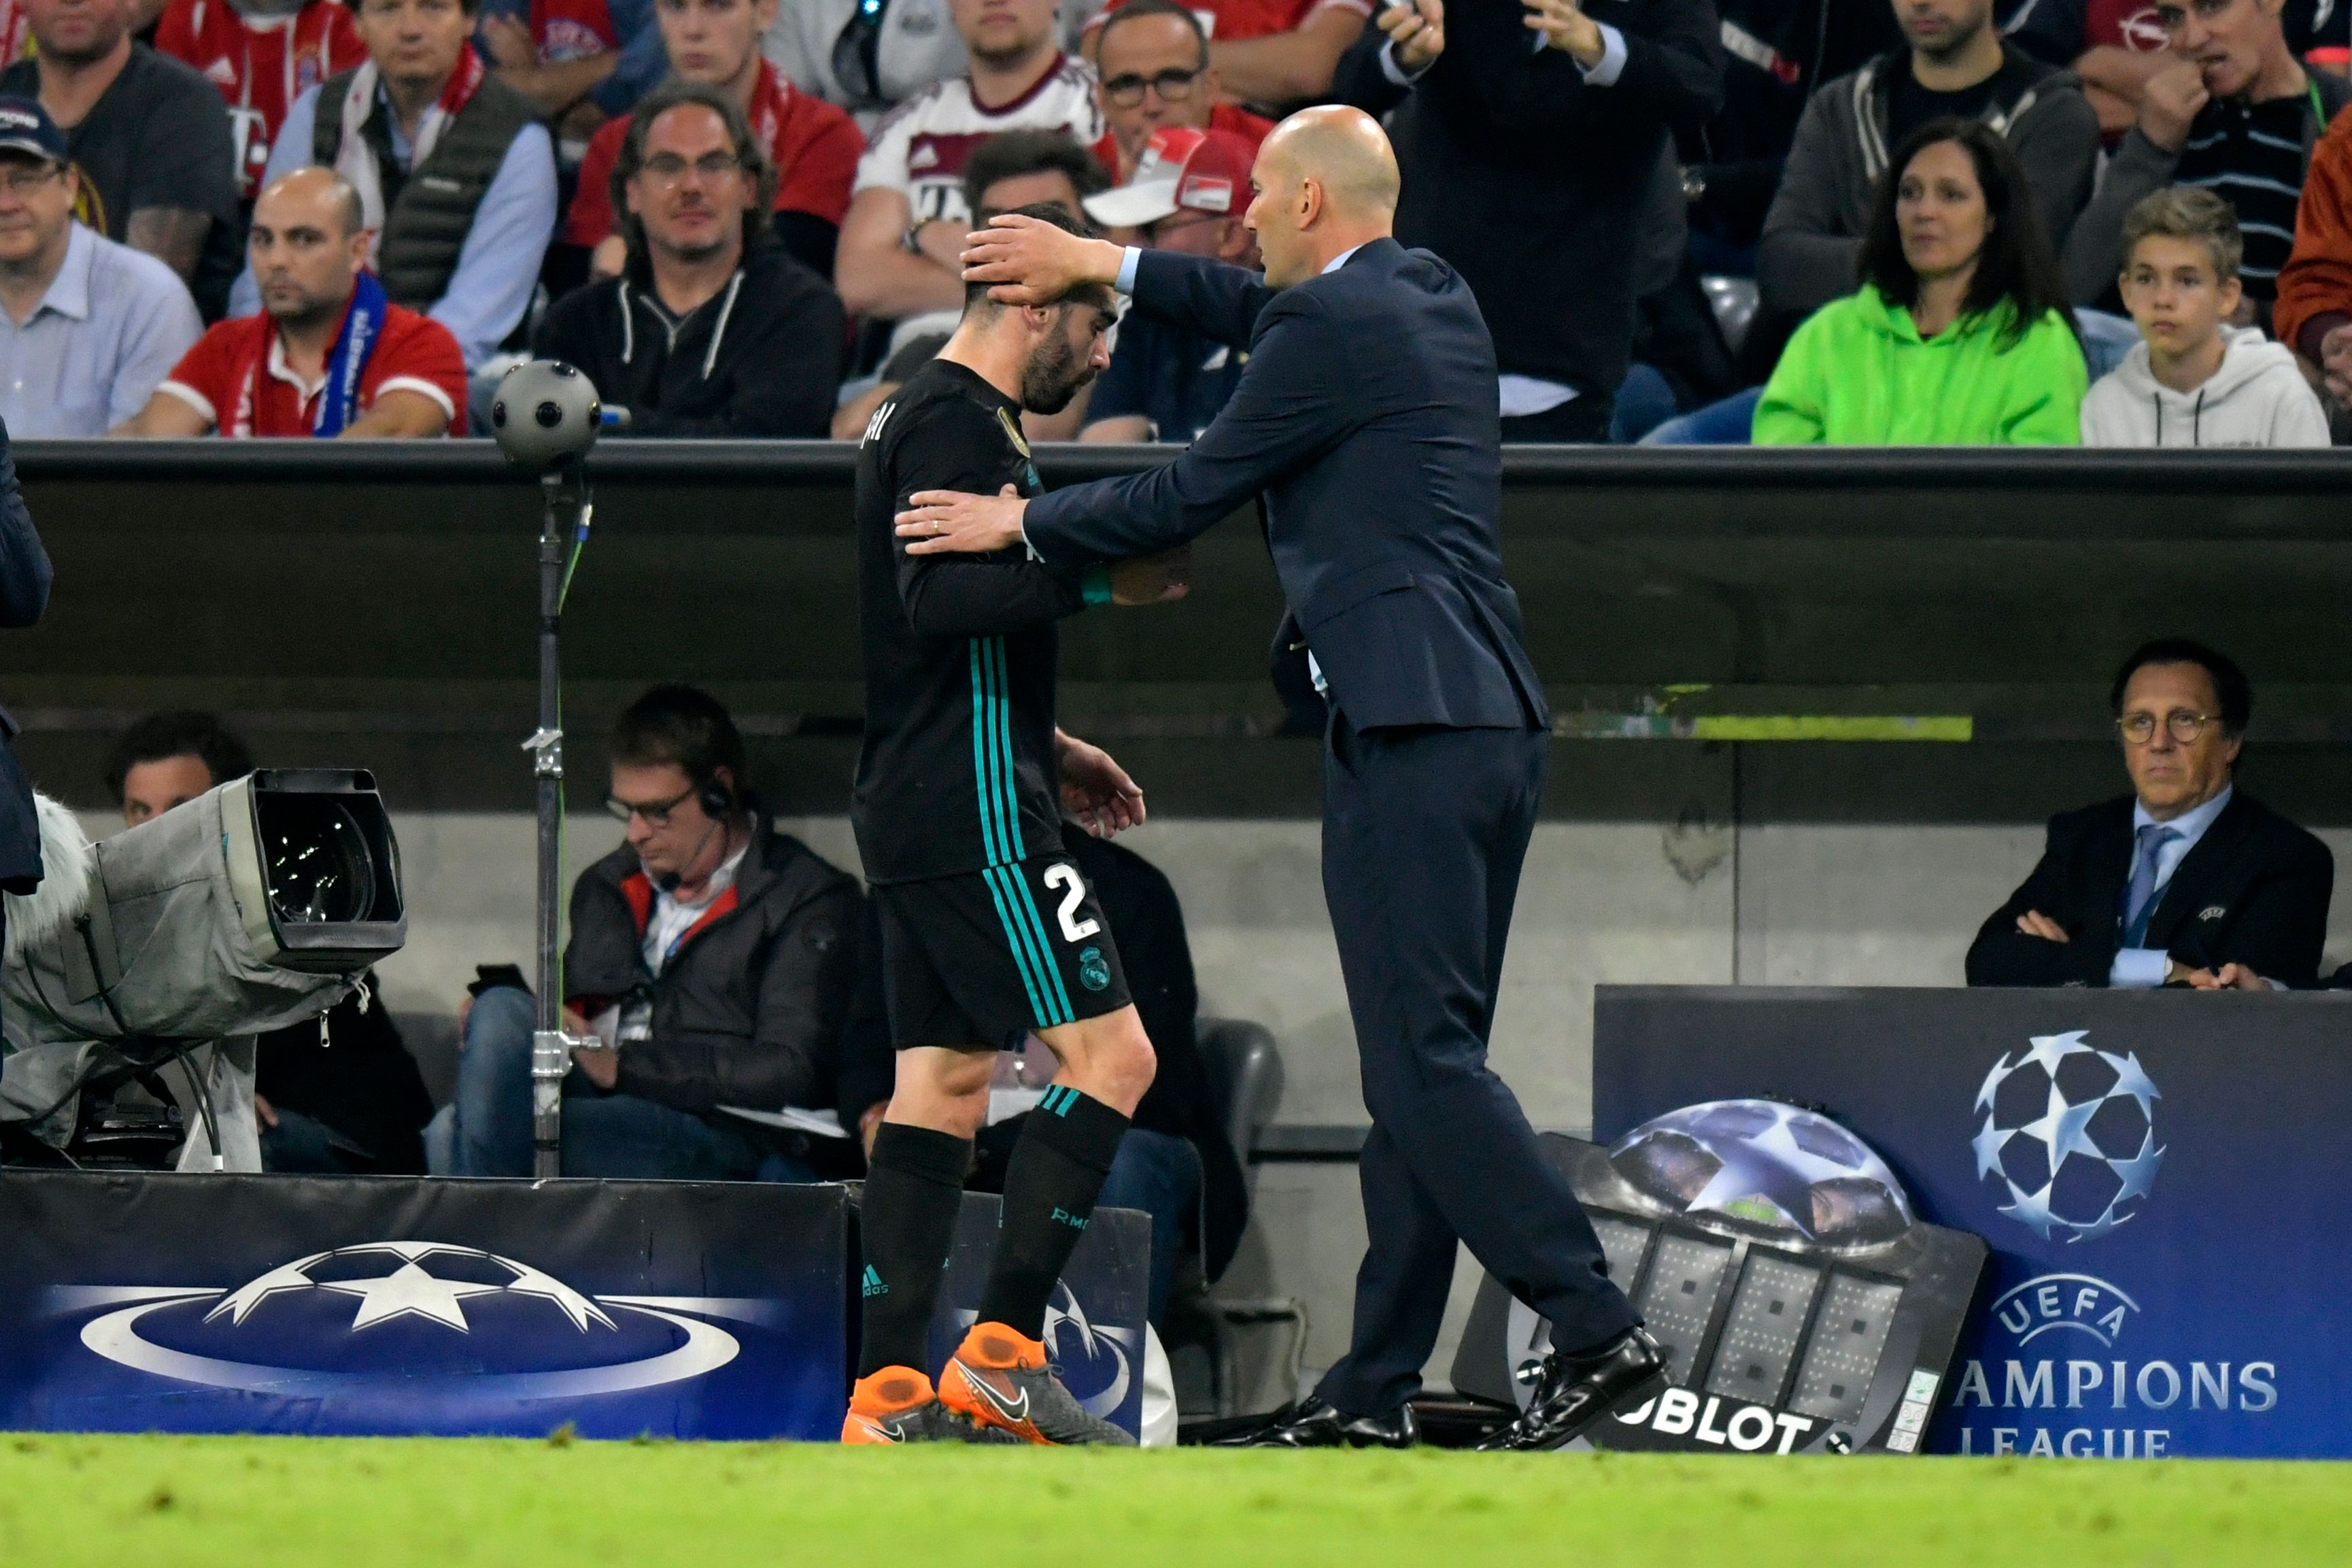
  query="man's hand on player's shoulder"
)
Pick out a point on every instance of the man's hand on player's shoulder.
point(1094, 789)
point(1152, 579)
point(1034, 263)
point(952, 522)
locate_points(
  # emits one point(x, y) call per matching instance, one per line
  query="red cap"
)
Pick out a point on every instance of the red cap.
point(1181, 168)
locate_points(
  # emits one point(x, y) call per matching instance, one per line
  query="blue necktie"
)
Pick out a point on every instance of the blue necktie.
point(2140, 897)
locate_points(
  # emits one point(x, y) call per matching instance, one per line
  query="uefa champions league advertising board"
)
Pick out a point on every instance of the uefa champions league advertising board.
point(354, 1306)
point(2162, 1179)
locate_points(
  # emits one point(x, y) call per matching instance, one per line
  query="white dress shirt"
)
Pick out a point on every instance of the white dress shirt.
point(2143, 968)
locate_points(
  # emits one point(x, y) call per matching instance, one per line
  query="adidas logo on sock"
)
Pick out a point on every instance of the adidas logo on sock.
point(873, 1285)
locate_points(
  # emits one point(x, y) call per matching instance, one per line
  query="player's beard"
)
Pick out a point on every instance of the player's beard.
point(1052, 374)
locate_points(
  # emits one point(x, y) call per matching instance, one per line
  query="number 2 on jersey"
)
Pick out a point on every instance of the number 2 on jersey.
point(1074, 892)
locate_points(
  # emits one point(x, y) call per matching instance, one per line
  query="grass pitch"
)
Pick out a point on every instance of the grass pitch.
point(186, 1502)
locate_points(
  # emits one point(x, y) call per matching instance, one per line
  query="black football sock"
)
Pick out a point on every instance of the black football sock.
point(913, 1186)
point(1066, 1148)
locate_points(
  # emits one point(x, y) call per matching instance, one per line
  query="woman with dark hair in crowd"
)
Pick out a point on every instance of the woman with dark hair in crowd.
point(1960, 334)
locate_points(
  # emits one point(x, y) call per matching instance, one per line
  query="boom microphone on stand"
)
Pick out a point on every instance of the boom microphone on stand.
point(546, 416)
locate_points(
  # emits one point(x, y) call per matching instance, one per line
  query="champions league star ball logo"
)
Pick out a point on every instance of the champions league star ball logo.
point(2069, 1131)
point(394, 1317)
point(1766, 1169)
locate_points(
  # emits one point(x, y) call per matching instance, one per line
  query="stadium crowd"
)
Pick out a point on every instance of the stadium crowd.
point(1785, 221)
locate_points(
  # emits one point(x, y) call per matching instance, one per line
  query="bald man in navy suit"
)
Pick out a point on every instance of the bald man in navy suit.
point(1367, 419)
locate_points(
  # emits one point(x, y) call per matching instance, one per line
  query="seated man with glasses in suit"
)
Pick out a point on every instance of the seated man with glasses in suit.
point(2181, 880)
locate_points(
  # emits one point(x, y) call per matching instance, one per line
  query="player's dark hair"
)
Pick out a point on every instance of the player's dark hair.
point(179, 734)
point(2231, 687)
point(682, 727)
point(975, 295)
point(1010, 154)
point(750, 155)
point(1136, 9)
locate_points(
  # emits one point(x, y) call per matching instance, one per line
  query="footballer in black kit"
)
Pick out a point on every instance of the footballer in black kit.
point(989, 930)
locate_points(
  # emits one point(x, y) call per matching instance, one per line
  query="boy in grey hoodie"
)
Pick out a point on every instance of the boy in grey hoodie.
point(2193, 380)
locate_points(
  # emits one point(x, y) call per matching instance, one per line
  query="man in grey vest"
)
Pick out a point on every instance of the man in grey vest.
point(455, 171)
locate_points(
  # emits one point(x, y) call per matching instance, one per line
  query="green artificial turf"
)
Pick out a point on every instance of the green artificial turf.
point(174, 1503)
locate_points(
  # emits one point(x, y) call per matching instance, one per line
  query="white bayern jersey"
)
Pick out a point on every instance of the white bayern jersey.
point(921, 148)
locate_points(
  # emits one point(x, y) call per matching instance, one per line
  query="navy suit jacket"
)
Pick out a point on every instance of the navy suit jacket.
point(24, 595)
point(1367, 419)
point(2253, 891)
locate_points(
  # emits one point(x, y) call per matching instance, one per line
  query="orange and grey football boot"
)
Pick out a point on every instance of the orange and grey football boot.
point(1000, 1381)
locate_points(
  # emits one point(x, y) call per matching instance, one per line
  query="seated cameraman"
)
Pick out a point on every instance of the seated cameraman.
point(2183, 881)
point(344, 1100)
point(715, 956)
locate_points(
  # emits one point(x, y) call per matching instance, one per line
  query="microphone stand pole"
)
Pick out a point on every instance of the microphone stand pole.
point(563, 531)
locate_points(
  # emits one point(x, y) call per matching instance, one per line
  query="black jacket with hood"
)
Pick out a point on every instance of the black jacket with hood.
point(760, 358)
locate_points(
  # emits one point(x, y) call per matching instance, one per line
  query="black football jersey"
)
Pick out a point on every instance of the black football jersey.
point(957, 771)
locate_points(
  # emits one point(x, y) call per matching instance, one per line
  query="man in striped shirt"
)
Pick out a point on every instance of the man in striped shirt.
point(2234, 111)
point(989, 930)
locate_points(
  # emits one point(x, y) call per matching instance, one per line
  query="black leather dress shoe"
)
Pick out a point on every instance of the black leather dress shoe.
point(1574, 1391)
point(1313, 1423)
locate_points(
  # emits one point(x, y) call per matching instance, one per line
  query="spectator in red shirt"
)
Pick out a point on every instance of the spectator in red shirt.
point(1153, 59)
point(329, 354)
point(262, 55)
point(581, 62)
point(814, 144)
point(1273, 53)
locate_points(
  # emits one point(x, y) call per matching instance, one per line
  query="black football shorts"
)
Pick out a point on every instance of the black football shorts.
point(979, 960)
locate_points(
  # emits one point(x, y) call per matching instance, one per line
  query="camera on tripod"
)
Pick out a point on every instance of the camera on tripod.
point(160, 952)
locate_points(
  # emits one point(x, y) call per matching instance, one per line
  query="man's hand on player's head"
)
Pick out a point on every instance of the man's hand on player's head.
point(952, 522)
point(1094, 789)
point(1152, 579)
point(1034, 263)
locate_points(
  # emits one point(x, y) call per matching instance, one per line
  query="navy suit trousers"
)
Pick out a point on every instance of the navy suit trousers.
point(1424, 830)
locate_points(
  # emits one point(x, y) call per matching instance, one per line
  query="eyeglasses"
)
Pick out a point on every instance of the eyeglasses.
point(1172, 86)
point(667, 169)
point(2183, 726)
point(25, 182)
point(655, 815)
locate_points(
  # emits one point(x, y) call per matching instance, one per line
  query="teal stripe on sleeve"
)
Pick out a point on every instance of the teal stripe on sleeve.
point(1012, 829)
point(980, 756)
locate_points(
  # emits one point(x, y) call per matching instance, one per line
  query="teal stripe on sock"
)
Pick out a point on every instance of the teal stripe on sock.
point(1013, 939)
